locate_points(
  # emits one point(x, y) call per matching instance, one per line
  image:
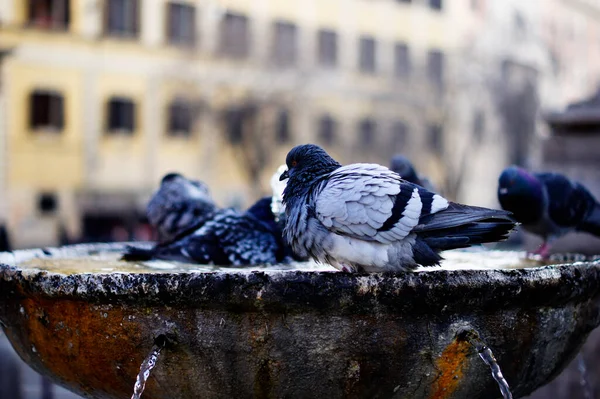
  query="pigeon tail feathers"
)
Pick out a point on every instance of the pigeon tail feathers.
point(461, 226)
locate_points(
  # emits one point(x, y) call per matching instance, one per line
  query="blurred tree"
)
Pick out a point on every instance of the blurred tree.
point(245, 130)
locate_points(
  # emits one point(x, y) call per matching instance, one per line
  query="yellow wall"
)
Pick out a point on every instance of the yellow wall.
point(44, 159)
point(121, 156)
point(152, 79)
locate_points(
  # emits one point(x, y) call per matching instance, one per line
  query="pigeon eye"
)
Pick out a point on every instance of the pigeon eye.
point(294, 163)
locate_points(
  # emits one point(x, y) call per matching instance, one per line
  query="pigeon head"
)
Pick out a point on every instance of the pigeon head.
point(187, 188)
point(307, 161)
point(521, 193)
point(401, 165)
point(169, 177)
point(518, 181)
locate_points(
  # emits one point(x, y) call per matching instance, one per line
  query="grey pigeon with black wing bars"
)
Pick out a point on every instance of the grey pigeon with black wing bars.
point(366, 218)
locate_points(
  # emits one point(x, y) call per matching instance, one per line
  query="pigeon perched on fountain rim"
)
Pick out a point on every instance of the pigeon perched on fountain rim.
point(179, 206)
point(230, 238)
point(365, 218)
point(549, 205)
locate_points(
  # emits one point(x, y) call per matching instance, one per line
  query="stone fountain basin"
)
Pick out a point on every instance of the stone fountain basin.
point(296, 334)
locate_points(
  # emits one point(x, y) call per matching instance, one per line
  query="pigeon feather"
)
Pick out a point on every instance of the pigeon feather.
point(229, 238)
point(364, 217)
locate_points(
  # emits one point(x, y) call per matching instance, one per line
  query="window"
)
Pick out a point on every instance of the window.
point(46, 111)
point(284, 44)
point(435, 4)
point(121, 115)
point(367, 133)
point(402, 64)
point(234, 36)
point(283, 127)
point(122, 18)
point(326, 130)
point(478, 125)
point(327, 48)
point(367, 54)
point(399, 135)
point(47, 203)
point(234, 124)
point(181, 118)
point(181, 25)
point(435, 67)
point(48, 14)
point(435, 140)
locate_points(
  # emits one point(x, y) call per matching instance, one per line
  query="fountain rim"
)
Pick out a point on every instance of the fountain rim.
point(424, 291)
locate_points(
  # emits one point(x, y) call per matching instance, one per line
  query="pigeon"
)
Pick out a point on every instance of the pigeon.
point(230, 238)
point(401, 165)
point(548, 205)
point(365, 218)
point(179, 206)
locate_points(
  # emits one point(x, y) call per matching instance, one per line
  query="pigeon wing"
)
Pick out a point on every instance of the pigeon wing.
point(372, 203)
point(246, 241)
point(569, 202)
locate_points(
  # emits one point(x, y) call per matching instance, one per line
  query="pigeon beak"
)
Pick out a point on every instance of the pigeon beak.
point(503, 190)
point(284, 175)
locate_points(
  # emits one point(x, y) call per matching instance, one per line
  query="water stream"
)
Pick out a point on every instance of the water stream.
point(583, 380)
point(485, 353)
point(147, 366)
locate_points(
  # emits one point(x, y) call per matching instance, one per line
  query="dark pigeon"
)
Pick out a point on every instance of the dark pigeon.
point(548, 204)
point(364, 217)
point(402, 165)
point(230, 238)
point(179, 206)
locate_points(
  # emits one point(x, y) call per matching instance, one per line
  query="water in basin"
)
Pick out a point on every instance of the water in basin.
point(109, 262)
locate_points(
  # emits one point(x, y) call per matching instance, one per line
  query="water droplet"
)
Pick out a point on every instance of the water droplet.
point(485, 353)
point(147, 366)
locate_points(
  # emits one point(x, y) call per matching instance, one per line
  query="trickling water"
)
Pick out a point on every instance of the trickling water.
point(485, 353)
point(147, 366)
point(583, 381)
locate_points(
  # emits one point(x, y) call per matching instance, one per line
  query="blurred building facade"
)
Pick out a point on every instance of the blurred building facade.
point(102, 97)
point(514, 61)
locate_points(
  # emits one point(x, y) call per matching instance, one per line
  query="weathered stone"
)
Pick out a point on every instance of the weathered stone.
point(300, 334)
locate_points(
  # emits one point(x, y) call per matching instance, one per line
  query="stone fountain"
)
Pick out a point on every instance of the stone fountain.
point(292, 332)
